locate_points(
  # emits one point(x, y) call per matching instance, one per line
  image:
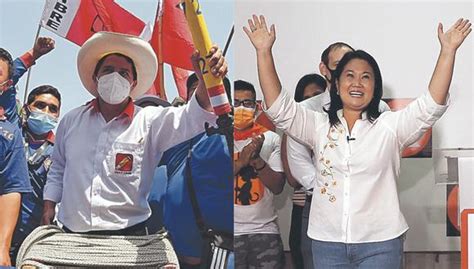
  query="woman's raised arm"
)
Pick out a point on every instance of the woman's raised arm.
point(443, 73)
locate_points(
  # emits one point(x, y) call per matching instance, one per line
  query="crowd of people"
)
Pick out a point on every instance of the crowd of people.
point(95, 176)
point(129, 164)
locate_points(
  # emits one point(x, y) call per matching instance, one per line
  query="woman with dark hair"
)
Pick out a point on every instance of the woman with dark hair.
point(308, 86)
point(372, 109)
point(355, 217)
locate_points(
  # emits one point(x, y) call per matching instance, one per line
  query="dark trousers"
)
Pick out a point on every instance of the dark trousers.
point(305, 240)
point(295, 237)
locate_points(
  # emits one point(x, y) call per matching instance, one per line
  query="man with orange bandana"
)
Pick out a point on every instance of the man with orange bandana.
point(258, 175)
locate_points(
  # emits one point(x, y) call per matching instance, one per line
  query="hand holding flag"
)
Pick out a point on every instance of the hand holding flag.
point(208, 57)
point(43, 45)
point(213, 68)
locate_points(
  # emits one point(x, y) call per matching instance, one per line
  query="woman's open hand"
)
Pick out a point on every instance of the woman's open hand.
point(454, 37)
point(258, 33)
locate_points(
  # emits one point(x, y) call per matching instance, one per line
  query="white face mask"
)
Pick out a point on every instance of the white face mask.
point(113, 88)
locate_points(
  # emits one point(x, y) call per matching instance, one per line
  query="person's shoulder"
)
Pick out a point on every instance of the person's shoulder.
point(211, 146)
point(315, 103)
point(383, 106)
point(153, 111)
point(271, 137)
point(4, 123)
point(80, 109)
point(8, 131)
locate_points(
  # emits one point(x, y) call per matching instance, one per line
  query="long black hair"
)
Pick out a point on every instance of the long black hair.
point(336, 103)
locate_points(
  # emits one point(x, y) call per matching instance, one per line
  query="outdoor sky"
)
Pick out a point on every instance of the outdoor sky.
point(19, 21)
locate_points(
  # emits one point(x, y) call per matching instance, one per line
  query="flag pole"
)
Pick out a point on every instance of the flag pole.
point(31, 67)
point(215, 87)
point(229, 39)
point(158, 19)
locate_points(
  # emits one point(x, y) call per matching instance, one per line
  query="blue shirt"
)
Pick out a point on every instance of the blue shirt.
point(155, 200)
point(13, 169)
point(212, 175)
point(32, 203)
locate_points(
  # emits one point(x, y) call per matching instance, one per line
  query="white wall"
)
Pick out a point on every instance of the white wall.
point(402, 37)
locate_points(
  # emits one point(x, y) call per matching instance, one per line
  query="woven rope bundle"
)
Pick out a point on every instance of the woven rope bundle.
point(49, 246)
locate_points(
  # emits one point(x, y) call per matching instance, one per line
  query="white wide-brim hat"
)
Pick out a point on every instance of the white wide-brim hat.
point(105, 43)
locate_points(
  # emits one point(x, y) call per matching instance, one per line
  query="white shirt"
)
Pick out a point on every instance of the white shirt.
point(300, 160)
point(355, 197)
point(260, 216)
point(299, 157)
point(102, 171)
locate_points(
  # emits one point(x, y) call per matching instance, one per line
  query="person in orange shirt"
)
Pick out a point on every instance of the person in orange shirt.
point(258, 176)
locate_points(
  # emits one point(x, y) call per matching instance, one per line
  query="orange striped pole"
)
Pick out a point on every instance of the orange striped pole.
point(202, 42)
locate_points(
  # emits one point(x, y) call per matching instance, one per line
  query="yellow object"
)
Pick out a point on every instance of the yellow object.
point(203, 43)
point(201, 39)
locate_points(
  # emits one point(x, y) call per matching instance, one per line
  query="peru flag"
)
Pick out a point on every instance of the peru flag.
point(78, 20)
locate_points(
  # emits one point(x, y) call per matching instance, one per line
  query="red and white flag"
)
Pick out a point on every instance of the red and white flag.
point(77, 20)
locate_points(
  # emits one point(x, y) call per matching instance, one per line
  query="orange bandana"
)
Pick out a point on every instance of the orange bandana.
point(256, 129)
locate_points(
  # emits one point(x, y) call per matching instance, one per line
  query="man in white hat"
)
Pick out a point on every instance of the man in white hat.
point(106, 150)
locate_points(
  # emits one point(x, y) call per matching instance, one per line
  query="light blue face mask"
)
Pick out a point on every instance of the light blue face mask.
point(40, 123)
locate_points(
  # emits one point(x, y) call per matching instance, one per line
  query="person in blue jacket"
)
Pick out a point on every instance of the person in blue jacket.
point(16, 69)
point(212, 179)
point(13, 183)
point(41, 117)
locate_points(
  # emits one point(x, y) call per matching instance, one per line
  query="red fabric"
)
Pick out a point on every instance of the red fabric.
point(265, 121)
point(129, 110)
point(177, 42)
point(180, 77)
point(156, 87)
point(50, 137)
point(216, 90)
point(262, 118)
point(155, 44)
point(222, 109)
point(27, 59)
point(256, 129)
point(102, 15)
point(171, 29)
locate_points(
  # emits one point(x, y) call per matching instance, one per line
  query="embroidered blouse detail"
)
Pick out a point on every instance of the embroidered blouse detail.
point(327, 173)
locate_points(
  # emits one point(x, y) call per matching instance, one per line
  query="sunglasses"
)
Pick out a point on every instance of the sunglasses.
point(249, 103)
point(42, 105)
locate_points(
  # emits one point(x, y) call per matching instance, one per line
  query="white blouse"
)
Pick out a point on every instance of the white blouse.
point(355, 197)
